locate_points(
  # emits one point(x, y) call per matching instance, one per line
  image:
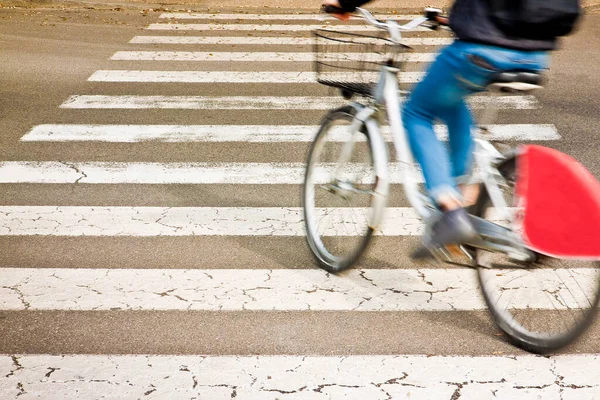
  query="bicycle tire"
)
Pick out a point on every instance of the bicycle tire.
point(321, 242)
point(518, 334)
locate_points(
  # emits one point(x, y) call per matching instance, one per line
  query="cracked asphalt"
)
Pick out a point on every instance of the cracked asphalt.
point(510, 378)
point(48, 54)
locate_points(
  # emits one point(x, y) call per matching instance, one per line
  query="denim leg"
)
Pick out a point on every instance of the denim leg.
point(460, 123)
point(435, 95)
point(441, 95)
point(429, 152)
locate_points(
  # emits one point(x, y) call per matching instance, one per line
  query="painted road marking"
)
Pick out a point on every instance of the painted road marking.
point(265, 40)
point(179, 15)
point(229, 76)
point(253, 56)
point(180, 173)
point(255, 102)
point(245, 133)
point(374, 377)
point(267, 27)
point(373, 290)
point(188, 221)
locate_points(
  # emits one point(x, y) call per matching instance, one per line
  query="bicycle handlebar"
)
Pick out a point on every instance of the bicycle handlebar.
point(431, 15)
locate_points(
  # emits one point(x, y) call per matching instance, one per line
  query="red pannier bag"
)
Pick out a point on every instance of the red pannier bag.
point(561, 200)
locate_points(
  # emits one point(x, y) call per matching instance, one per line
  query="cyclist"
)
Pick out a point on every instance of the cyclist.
point(465, 67)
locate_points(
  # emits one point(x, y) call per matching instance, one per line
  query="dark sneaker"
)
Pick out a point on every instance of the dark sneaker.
point(454, 227)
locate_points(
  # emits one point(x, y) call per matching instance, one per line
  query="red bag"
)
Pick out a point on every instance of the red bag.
point(561, 201)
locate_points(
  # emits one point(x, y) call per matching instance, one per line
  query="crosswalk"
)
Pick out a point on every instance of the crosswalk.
point(206, 291)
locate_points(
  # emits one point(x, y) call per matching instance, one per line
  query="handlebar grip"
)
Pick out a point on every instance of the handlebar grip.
point(329, 9)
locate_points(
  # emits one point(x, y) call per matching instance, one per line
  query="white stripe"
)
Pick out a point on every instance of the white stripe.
point(228, 76)
point(174, 173)
point(372, 290)
point(187, 221)
point(373, 377)
point(255, 102)
point(254, 56)
point(266, 40)
point(178, 15)
point(241, 133)
point(266, 27)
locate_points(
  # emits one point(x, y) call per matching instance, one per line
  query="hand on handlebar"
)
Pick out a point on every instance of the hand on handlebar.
point(444, 21)
point(329, 5)
point(434, 15)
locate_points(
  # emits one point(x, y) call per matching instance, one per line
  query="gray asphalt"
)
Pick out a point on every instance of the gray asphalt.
point(47, 56)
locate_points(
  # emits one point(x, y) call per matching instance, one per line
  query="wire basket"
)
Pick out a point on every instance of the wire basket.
point(351, 61)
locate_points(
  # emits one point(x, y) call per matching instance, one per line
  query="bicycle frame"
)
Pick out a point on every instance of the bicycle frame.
point(494, 237)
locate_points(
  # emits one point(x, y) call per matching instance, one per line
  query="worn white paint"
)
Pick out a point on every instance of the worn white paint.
point(180, 173)
point(282, 290)
point(254, 56)
point(189, 221)
point(253, 102)
point(289, 17)
point(242, 133)
point(267, 27)
point(265, 40)
point(373, 377)
point(229, 76)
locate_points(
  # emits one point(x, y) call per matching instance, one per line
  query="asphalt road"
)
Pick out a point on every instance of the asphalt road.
point(48, 56)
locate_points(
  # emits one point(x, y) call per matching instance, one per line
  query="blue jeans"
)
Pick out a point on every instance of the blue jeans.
point(441, 95)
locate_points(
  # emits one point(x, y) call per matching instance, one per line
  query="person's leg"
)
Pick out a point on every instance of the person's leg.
point(459, 121)
point(452, 77)
point(436, 96)
point(430, 98)
point(432, 157)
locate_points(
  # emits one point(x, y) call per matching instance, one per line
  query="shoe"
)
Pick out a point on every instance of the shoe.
point(454, 227)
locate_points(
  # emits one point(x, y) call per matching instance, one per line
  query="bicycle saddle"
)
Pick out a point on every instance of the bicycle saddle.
point(516, 81)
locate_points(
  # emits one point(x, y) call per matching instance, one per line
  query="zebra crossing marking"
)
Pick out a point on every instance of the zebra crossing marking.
point(371, 290)
point(265, 27)
point(187, 221)
point(225, 76)
point(270, 173)
point(249, 56)
point(246, 133)
point(376, 377)
point(254, 102)
point(264, 40)
point(218, 16)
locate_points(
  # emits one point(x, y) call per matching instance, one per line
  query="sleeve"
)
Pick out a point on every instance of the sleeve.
point(350, 5)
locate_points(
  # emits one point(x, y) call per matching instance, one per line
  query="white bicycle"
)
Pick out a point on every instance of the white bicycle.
point(541, 303)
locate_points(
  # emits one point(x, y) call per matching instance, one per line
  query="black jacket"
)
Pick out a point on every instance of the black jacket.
point(470, 22)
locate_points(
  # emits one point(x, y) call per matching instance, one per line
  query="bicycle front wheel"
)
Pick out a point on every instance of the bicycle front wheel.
point(541, 304)
point(343, 195)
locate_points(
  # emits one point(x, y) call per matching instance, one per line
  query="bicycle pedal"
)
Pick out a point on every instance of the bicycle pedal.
point(453, 254)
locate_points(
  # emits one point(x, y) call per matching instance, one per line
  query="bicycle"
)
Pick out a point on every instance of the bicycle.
point(530, 296)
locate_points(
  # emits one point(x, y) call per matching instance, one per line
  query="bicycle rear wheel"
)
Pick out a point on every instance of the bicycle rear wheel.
point(541, 304)
point(341, 207)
